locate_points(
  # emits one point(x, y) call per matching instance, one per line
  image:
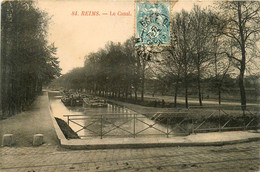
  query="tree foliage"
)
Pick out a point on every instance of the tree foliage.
point(113, 70)
point(27, 61)
point(206, 46)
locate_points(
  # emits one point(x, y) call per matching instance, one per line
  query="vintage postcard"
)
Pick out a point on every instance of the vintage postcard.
point(129, 85)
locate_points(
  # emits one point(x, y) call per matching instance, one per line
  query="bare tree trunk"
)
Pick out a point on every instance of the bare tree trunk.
point(135, 94)
point(176, 91)
point(219, 95)
point(118, 94)
point(130, 94)
point(175, 95)
point(186, 87)
point(126, 93)
point(143, 78)
point(186, 96)
point(199, 84)
point(243, 60)
point(242, 88)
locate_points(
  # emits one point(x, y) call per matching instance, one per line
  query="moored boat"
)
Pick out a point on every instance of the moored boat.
point(94, 103)
point(70, 100)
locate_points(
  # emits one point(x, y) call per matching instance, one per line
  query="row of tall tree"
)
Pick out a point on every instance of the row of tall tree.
point(27, 60)
point(218, 42)
point(205, 45)
point(213, 44)
point(115, 70)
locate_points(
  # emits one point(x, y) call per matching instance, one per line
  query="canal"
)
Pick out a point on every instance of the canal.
point(110, 121)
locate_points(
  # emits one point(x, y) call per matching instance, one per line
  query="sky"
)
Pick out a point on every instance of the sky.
point(76, 36)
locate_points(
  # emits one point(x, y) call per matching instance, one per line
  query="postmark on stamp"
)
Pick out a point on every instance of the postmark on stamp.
point(153, 23)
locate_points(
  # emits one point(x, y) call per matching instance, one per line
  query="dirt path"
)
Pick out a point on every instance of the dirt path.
point(194, 101)
point(26, 124)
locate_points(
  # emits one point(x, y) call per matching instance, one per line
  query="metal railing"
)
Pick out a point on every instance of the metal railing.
point(225, 118)
point(131, 124)
point(165, 123)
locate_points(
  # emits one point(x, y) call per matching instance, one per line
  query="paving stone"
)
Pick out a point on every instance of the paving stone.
point(239, 157)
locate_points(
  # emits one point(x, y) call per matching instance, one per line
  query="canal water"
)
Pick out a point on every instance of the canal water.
point(111, 121)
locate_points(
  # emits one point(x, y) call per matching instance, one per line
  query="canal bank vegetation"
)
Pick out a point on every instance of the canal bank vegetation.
point(27, 60)
point(213, 56)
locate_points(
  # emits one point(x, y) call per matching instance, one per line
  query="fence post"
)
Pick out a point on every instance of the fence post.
point(101, 127)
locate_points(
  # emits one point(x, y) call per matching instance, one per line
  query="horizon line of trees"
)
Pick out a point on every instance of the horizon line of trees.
point(205, 44)
point(114, 71)
point(27, 60)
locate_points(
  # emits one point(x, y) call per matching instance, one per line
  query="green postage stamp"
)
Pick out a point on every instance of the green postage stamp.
point(153, 23)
